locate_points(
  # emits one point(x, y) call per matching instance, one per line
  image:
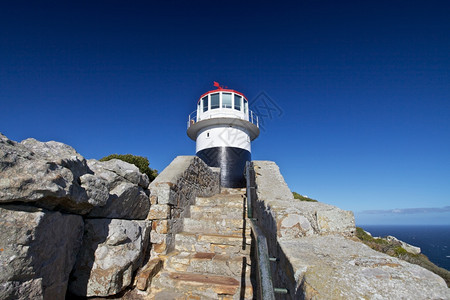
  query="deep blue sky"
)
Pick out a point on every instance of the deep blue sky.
point(360, 90)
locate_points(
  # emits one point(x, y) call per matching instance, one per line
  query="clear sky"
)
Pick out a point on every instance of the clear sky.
point(355, 103)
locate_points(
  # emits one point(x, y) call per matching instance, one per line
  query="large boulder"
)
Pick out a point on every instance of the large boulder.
point(128, 196)
point(123, 169)
point(51, 174)
point(38, 249)
point(112, 251)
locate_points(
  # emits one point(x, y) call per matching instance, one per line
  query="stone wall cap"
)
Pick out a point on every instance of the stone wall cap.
point(174, 170)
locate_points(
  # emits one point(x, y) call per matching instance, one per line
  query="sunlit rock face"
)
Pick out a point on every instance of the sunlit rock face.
point(111, 252)
point(51, 175)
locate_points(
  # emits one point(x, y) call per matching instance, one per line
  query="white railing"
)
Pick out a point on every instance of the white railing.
point(252, 118)
point(192, 118)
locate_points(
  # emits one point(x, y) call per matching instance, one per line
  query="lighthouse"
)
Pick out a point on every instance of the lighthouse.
point(223, 127)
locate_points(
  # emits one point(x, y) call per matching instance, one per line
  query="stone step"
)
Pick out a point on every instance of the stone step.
point(212, 243)
point(233, 191)
point(199, 286)
point(228, 226)
point(221, 200)
point(216, 212)
point(209, 263)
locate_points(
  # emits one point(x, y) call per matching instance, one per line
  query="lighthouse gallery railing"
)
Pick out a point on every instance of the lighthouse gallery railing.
point(252, 118)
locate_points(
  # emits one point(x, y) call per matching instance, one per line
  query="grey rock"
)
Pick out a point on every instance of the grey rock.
point(406, 246)
point(59, 153)
point(56, 177)
point(112, 250)
point(126, 201)
point(124, 183)
point(126, 170)
point(13, 290)
point(39, 248)
point(46, 173)
point(96, 189)
point(334, 267)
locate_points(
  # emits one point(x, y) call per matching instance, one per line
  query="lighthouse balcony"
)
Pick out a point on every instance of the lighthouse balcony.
point(248, 122)
point(251, 117)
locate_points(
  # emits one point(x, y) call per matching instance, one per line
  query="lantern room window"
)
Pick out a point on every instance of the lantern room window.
point(245, 106)
point(215, 101)
point(205, 103)
point(237, 102)
point(226, 100)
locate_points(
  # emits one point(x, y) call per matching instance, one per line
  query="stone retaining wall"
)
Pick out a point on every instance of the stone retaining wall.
point(172, 193)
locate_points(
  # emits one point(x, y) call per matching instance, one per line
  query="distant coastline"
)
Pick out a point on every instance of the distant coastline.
point(434, 240)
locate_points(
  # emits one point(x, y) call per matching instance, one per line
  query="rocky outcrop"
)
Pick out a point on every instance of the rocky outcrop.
point(52, 175)
point(127, 188)
point(410, 248)
point(48, 194)
point(112, 250)
point(38, 250)
point(318, 256)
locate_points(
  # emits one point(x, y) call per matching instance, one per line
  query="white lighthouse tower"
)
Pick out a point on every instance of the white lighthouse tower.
point(223, 128)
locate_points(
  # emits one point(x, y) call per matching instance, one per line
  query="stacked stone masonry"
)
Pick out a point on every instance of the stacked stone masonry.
point(172, 194)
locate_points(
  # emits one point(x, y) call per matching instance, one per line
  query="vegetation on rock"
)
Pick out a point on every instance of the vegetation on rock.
point(139, 161)
point(395, 249)
point(302, 198)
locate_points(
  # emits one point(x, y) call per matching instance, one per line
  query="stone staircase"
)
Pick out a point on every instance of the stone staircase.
point(212, 255)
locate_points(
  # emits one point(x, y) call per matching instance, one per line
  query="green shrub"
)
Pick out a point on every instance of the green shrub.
point(368, 239)
point(362, 235)
point(139, 161)
point(302, 198)
point(399, 251)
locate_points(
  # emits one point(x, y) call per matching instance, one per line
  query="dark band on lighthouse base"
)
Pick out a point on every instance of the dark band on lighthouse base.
point(230, 160)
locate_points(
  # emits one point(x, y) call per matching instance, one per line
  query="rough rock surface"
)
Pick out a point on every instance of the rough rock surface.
point(334, 267)
point(38, 249)
point(50, 174)
point(122, 169)
point(127, 197)
point(111, 252)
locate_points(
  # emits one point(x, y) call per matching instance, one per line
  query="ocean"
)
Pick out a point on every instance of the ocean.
point(433, 240)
